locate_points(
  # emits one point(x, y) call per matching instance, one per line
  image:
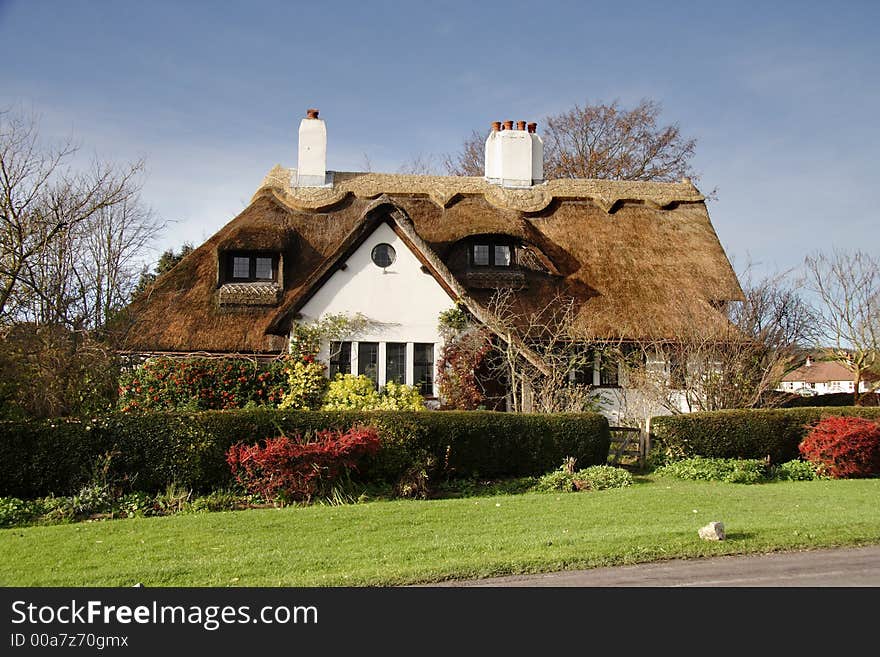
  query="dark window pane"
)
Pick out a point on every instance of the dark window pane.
point(241, 267)
point(423, 368)
point(264, 269)
point(608, 371)
point(383, 255)
point(502, 255)
point(395, 362)
point(583, 369)
point(481, 254)
point(368, 360)
point(340, 358)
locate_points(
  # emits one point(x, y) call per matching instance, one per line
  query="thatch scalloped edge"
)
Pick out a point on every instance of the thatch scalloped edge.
point(443, 190)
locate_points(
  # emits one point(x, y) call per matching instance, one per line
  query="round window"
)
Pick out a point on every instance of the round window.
point(383, 255)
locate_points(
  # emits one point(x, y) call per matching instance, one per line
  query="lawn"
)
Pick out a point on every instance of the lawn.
point(400, 542)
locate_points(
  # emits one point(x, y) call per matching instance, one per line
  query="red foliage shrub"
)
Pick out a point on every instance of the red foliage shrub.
point(845, 446)
point(460, 360)
point(295, 469)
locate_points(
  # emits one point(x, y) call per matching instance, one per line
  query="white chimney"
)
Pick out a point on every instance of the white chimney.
point(537, 154)
point(514, 157)
point(311, 169)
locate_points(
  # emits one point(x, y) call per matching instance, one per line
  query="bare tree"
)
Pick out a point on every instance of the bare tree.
point(470, 160)
point(420, 164)
point(41, 201)
point(733, 363)
point(847, 289)
point(540, 353)
point(602, 141)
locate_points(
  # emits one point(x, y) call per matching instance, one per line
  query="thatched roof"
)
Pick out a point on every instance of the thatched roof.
point(641, 259)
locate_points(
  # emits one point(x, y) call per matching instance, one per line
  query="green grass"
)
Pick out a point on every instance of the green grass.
point(398, 542)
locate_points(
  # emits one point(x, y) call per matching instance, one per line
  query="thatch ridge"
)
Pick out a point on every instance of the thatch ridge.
point(443, 190)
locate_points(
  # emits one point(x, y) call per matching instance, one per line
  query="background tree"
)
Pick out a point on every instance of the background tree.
point(707, 368)
point(70, 244)
point(846, 285)
point(167, 261)
point(602, 141)
point(42, 200)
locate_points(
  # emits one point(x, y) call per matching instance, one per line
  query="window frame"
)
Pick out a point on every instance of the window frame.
point(402, 366)
point(424, 386)
point(339, 358)
point(392, 255)
point(492, 243)
point(362, 365)
point(229, 266)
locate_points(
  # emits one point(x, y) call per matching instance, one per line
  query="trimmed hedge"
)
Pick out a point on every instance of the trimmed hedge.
point(189, 449)
point(832, 399)
point(744, 433)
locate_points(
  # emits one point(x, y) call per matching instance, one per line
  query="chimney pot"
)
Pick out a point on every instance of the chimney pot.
point(520, 125)
point(496, 126)
point(508, 125)
point(533, 127)
point(312, 113)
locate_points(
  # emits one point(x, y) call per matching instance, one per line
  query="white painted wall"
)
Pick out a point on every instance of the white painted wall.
point(823, 387)
point(403, 301)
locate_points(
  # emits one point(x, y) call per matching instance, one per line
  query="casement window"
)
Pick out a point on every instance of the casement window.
point(582, 369)
point(491, 253)
point(395, 362)
point(608, 371)
point(368, 361)
point(340, 358)
point(249, 267)
point(423, 368)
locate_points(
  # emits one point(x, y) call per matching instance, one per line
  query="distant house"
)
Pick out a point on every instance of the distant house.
point(821, 378)
point(400, 249)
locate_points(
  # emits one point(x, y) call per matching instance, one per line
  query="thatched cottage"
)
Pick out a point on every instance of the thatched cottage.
point(400, 249)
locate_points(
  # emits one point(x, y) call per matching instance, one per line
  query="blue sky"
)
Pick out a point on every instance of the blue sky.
point(783, 97)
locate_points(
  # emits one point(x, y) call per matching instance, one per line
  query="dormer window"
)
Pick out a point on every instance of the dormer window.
point(491, 253)
point(249, 267)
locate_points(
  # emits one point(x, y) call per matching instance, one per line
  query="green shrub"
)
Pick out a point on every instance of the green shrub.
point(596, 477)
point(733, 471)
point(136, 505)
point(220, 500)
point(600, 477)
point(306, 385)
point(14, 511)
point(556, 481)
point(747, 434)
point(153, 450)
point(58, 509)
point(92, 499)
point(400, 397)
point(348, 392)
point(796, 470)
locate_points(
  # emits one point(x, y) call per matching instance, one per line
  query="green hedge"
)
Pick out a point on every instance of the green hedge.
point(156, 449)
point(746, 434)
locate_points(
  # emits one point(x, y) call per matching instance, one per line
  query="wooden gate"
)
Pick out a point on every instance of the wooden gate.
point(629, 447)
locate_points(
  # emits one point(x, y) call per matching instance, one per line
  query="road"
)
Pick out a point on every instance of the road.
point(845, 567)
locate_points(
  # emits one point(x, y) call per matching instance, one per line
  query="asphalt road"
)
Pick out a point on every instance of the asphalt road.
point(846, 567)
